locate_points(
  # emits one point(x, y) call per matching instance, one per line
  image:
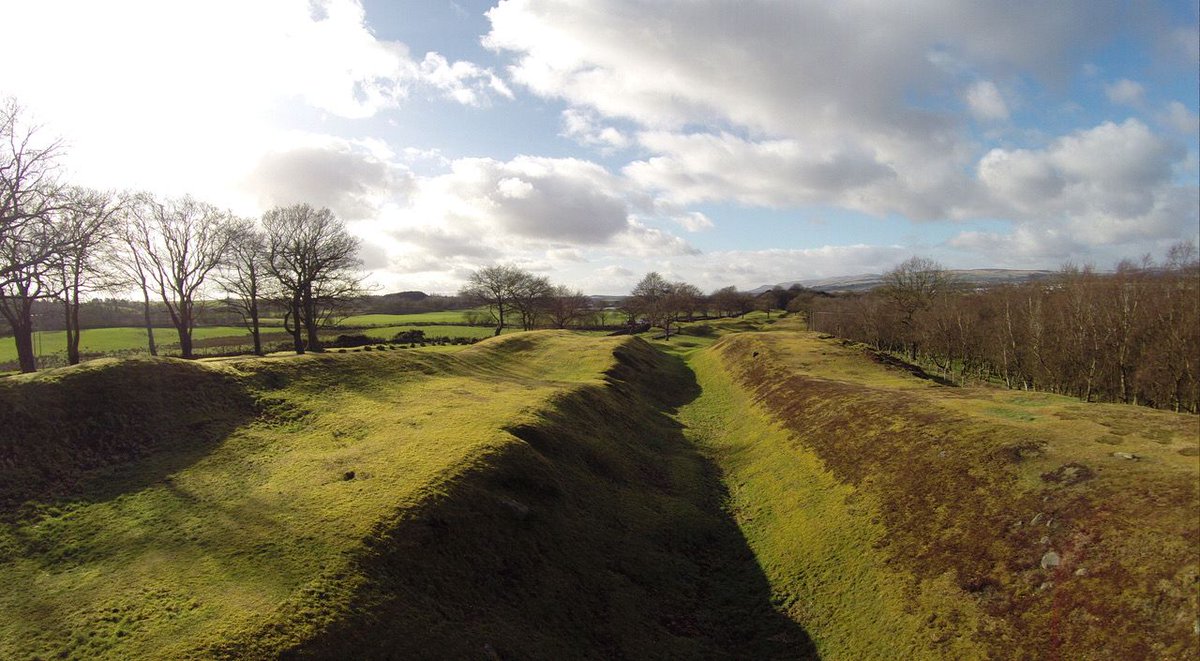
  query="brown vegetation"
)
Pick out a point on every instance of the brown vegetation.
point(1065, 548)
point(1132, 336)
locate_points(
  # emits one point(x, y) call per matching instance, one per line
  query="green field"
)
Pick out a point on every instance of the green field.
point(115, 340)
point(440, 317)
point(118, 341)
point(742, 490)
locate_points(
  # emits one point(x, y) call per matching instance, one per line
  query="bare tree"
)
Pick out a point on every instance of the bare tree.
point(529, 297)
point(28, 253)
point(494, 287)
point(911, 287)
point(86, 224)
point(663, 303)
point(179, 243)
point(29, 192)
point(315, 261)
point(129, 266)
point(243, 275)
point(566, 306)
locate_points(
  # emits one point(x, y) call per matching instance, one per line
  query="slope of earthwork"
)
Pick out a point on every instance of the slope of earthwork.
point(1026, 524)
point(528, 497)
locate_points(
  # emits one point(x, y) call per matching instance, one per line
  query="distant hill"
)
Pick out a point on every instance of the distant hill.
point(867, 281)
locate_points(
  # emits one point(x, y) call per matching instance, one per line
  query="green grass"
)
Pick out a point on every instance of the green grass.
point(961, 493)
point(115, 340)
point(498, 497)
point(388, 332)
point(736, 494)
point(816, 538)
point(440, 317)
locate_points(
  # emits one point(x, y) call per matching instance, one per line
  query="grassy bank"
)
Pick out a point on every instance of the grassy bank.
point(1006, 524)
point(497, 500)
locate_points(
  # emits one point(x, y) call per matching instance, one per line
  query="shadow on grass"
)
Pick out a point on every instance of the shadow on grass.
point(601, 536)
point(93, 433)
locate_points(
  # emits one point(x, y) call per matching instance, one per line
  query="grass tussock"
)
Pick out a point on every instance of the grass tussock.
point(1013, 524)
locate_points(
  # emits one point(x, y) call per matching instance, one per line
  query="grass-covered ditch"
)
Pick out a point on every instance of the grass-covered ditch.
point(528, 497)
point(553, 495)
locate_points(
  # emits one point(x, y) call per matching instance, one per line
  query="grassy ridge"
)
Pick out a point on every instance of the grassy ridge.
point(103, 413)
point(1008, 522)
point(498, 499)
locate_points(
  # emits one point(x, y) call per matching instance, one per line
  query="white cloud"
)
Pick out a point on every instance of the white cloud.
point(1118, 170)
point(191, 97)
point(747, 269)
point(704, 167)
point(820, 104)
point(558, 208)
point(1126, 92)
point(1108, 188)
point(693, 221)
point(583, 127)
point(985, 102)
point(462, 81)
point(1180, 118)
point(351, 179)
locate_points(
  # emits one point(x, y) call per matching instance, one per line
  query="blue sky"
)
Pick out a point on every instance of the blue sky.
point(591, 141)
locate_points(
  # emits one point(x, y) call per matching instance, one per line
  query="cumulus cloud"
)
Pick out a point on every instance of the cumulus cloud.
point(1108, 186)
point(768, 65)
point(1125, 92)
point(529, 208)
point(694, 221)
point(825, 111)
point(703, 167)
point(349, 179)
point(1118, 170)
point(583, 127)
point(1179, 118)
point(211, 80)
point(462, 81)
point(844, 104)
point(985, 102)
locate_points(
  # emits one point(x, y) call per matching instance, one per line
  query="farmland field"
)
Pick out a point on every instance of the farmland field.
point(440, 317)
point(114, 340)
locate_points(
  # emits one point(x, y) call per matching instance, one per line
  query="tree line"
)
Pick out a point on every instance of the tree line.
point(1130, 336)
point(59, 242)
point(515, 297)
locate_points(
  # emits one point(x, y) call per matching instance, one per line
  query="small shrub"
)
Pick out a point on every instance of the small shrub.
point(409, 336)
point(350, 341)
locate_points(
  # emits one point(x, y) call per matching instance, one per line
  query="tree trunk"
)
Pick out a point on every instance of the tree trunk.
point(21, 320)
point(255, 332)
point(183, 324)
point(310, 320)
point(185, 342)
point(293, 315)
point(71, 325)
point(23, 336)
point(149, 325)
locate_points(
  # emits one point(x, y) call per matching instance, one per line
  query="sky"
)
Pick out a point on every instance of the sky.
point(740, 143)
